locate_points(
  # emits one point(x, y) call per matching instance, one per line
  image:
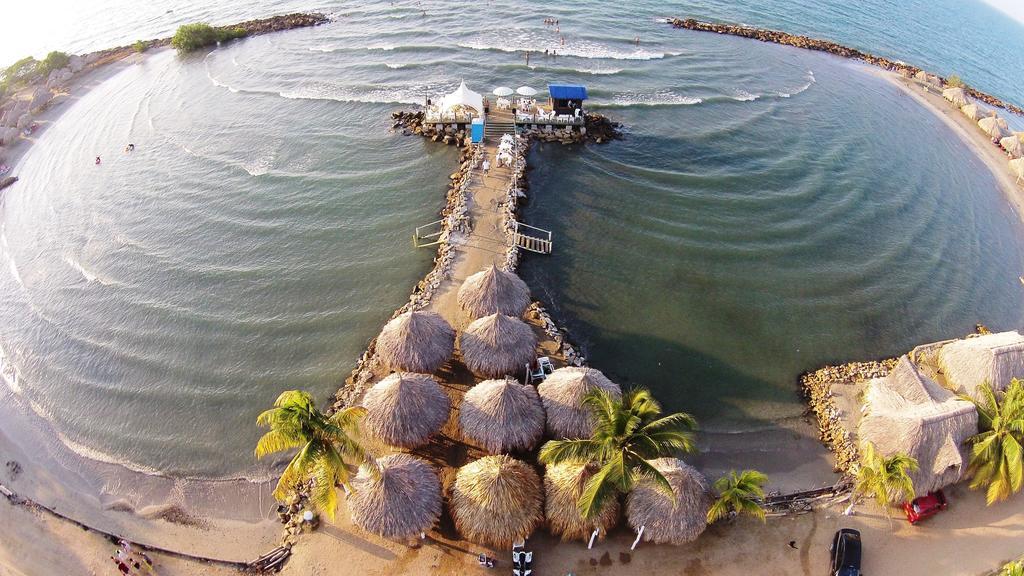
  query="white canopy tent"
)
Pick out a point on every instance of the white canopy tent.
point(1013, 146)
point(463, 96)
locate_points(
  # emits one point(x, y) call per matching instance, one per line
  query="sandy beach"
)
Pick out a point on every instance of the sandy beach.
point(966, 129)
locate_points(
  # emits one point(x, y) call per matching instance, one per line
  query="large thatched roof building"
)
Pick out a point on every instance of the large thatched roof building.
point(416, 341)
point(496, 501)
point(563, 485)
point(993, 358)
point(403, 500)
point(494, 291)
point(562, 393)
point(909, 413)
point(955, 95)
point(405, 409)
point(666, 522)
point(502, 416)
point(497, 345)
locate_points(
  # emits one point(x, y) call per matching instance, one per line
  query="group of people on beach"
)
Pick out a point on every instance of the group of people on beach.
point(130, 561)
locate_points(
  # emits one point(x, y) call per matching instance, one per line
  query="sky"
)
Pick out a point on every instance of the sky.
point(1014, 8)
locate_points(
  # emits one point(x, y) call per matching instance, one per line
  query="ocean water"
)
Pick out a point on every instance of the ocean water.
point(770, 209)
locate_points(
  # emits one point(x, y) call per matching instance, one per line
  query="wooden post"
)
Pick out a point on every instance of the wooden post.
point(639, 534)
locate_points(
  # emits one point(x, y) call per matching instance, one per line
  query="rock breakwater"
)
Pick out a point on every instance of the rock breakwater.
point(808, 43)
point(817, 388)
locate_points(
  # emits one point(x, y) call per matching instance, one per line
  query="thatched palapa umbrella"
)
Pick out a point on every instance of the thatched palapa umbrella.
point(562, 393)
point(1017, 166)
point(994, 126)
point(663, 521)
point(496, 345)
point(955, 95)
point(496, 501)
point(416, 341)
point(494, 291)
point(563, 484)
point(402, 501)
point(404, 409)
point(502, 416)
point(1013, 145)
point(973, 112)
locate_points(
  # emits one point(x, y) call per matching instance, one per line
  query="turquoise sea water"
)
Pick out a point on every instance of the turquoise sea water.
point(770, 209)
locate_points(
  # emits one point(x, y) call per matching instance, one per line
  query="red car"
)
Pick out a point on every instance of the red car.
point(925, 506)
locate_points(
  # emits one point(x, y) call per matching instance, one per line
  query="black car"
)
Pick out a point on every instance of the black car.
point(845, 553)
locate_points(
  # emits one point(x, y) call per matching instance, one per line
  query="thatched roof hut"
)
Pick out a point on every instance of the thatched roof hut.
point(955, 95)
point(562, 393)
point(994, 126)
point(973, 362)
point(666, 522)
point(416, 341)
point(401, 502)
point(496, 501)
point(973, 111)
point(1017, 167)
point(502, 416)
point(494, 291)
point(405, 409)
point(563, 484)
point(1013, 145)
point(496, 345)
point(909, 413)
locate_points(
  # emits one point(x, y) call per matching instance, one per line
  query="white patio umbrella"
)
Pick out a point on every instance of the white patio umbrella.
point(526, 91)
point(503, 91)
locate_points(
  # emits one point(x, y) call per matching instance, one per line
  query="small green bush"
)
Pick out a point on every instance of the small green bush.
point(191, 37)
point(53, 61)
point(23, 70)
point(140, 46)
point(955, 82)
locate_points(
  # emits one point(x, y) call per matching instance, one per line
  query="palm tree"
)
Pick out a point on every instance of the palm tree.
point(629, 431)
point(887, 479)
point(996, 459)
point(739, 494)
point(326, 446)
point(1013, 569)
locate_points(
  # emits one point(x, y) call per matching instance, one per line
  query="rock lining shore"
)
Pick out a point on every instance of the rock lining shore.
point(807, 43)
point(599, 129)
point(817, 389)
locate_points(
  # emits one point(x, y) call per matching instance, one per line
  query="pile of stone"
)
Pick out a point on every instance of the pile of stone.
point(412, 123)
point(283, 22)
point(515, 192)
point(538, 313)
point(808, 43)
point(290, 513)
point(817, 389)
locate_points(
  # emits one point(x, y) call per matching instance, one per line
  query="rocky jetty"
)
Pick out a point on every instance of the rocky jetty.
point(805, 42)
point(412, 123)
point(817, 388)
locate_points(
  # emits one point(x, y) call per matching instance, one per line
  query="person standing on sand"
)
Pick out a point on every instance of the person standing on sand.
point(486, 165)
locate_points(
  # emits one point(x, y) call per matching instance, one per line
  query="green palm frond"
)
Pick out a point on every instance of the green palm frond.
point(996, 453)
point(327, 445)
point(599, 490)
point(556, 451)
point(739, 493)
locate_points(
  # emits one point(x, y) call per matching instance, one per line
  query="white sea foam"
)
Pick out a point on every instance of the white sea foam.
point(323, 91)
point(574, 47)
point(661, 98)
point(395, 66)
point(744, 96)
point(8, 373)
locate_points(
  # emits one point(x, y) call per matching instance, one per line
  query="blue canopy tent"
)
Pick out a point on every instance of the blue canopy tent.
point(567, 98)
